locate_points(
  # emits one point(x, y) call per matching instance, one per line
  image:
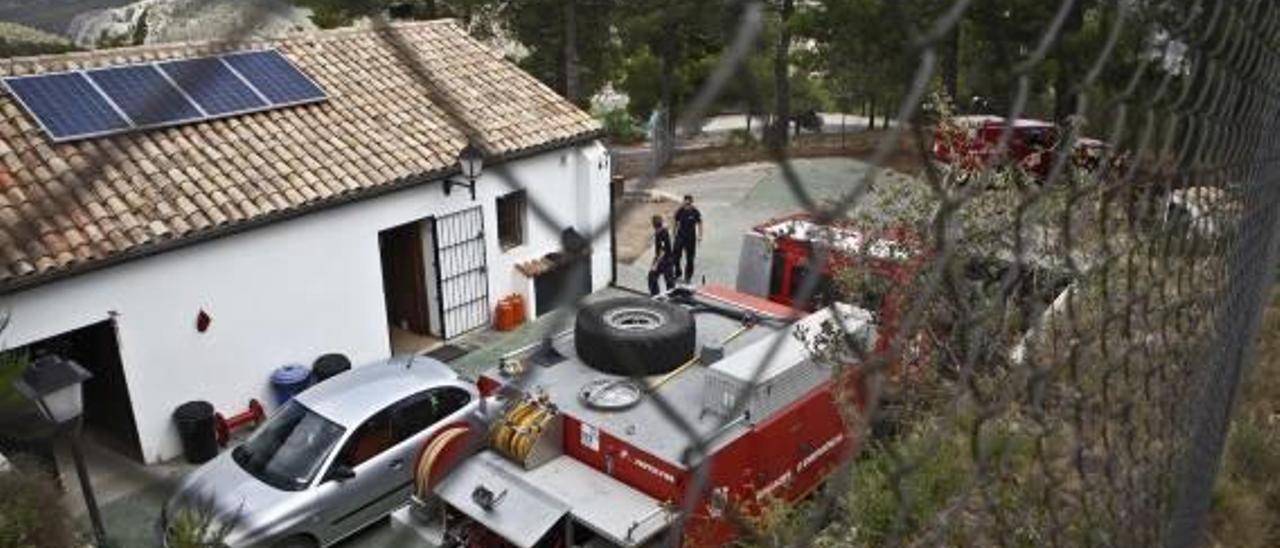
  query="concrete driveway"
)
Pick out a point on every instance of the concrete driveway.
point(734, 199)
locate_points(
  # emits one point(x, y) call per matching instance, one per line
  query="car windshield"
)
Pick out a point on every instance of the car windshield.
point(287, 451)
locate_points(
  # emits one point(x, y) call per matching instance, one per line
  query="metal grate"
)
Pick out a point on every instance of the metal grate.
point(464, 279)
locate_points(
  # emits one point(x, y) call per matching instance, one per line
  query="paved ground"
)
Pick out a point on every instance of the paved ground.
point(832, 122)
point(734, 199)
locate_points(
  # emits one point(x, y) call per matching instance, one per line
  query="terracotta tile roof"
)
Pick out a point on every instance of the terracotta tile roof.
point(390, 120)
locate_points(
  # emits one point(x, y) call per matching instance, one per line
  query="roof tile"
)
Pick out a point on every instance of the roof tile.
point(63, 205)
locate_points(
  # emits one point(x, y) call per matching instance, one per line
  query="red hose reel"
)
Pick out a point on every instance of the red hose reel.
point(223, 426)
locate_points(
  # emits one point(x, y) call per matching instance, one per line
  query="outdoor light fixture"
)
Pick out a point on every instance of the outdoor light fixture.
point(470, 163)
point(55, 385)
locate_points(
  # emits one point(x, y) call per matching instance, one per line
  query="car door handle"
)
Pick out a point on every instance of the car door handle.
point(397, 464)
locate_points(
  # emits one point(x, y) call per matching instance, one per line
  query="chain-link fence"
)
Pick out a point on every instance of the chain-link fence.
point(1086, 307)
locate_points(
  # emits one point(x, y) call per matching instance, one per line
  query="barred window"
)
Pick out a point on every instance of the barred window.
point(511, 216)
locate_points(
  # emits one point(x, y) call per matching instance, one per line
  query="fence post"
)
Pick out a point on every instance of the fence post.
point(1206, 418)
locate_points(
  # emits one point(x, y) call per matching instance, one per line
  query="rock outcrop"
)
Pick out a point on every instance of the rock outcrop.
point(158, 21)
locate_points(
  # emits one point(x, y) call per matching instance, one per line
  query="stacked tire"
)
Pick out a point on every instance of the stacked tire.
point(634, 336)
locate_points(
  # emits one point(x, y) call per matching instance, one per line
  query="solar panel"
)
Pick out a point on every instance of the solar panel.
point(145, 95)
point(275, 77)
point(66, 105)
point(80, 104)
point(212, 85)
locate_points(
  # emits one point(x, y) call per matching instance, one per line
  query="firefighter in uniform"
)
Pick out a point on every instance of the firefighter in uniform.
point(688, 234)
point(663, 261)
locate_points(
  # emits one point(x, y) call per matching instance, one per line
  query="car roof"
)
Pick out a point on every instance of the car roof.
point(351, 397)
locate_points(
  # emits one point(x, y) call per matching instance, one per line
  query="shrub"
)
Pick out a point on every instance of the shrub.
point(741, 138)
point(31, 514)
point(621, 128)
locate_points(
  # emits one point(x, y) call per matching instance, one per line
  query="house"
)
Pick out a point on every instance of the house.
point(185, 253)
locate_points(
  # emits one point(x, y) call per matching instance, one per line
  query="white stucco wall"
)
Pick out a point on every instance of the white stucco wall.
point(288, 292)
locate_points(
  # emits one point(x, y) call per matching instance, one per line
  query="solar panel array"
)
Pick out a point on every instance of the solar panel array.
point(93, 103)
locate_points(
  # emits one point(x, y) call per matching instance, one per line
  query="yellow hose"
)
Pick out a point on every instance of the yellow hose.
point(422, 472)
point(518, 431)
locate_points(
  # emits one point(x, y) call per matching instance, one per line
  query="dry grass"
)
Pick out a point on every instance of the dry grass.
point(634, 231)
point(1246, 505)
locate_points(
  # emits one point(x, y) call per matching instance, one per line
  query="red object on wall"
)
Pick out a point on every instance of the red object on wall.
point(202, 321)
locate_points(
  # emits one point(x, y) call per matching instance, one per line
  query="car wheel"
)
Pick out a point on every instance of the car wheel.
point(634, 336)
point(298, 541)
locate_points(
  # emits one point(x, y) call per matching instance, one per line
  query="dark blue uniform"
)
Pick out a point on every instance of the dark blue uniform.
point(687, 220)
point(664, 261)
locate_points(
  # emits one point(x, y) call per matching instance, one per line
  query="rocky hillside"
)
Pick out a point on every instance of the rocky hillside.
point(16, 40)
point(157, 21)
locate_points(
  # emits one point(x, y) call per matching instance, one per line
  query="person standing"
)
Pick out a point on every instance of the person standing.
point(663, 261)
point(688, 234)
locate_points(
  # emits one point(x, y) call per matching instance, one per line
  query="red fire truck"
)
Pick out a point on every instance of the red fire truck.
point(971, 142)
point(777, 256)
point(651, 420)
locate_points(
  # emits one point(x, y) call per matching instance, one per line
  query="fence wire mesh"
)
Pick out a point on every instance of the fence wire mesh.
point(1083, 341)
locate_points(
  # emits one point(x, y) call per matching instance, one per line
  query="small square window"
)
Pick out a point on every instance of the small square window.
point(511, 216)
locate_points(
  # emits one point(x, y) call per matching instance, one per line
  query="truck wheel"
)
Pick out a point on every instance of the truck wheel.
point(634, 337)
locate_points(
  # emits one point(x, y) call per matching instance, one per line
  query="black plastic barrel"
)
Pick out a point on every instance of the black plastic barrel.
point(329, 365)
point(195, 427)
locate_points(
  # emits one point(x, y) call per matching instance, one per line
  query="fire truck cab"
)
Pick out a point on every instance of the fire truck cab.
point(727, 412)
point(972, 142)
point(777, 255)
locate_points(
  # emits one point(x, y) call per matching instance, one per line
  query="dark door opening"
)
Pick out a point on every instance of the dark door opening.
point(563, 286)
point(108, 412)
point(404, 286)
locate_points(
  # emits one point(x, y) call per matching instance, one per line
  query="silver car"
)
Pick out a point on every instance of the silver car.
point(336, 458)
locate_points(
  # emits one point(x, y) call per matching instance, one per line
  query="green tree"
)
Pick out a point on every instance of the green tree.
point(575, 53)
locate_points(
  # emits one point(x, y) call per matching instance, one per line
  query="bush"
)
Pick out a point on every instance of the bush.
point(621, 128)
point(31, 514)
point(741, 138)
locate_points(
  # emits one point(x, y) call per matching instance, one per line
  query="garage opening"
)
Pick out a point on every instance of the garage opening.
point(108, 411)
point(408, 281)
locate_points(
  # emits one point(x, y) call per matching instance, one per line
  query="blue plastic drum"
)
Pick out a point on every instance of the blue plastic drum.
point(289, 381)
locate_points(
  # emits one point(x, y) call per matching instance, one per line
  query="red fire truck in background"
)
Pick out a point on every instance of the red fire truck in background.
point(972, 142)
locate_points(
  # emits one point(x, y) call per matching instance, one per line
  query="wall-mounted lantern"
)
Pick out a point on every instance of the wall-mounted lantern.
point(470, 163)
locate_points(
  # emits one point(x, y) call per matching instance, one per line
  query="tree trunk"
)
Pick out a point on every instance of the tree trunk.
point(571, 85)
point(664, 134)
point(951, 64)
point(1064, 95)
point(871, 115)
point(781, 75)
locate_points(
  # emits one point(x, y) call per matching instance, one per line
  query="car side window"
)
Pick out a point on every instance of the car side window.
point(368, 441)
point(420, 411)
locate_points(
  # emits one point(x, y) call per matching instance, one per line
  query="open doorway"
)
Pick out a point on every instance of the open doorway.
point(108, 411)
point(407, 286)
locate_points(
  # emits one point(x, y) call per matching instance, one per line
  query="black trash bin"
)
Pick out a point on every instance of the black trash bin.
point(195, 427)
point(329, 365)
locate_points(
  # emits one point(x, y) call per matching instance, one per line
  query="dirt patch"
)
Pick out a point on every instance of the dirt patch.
point(633, 230)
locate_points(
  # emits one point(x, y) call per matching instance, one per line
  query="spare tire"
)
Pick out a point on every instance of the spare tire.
point(634, 336)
